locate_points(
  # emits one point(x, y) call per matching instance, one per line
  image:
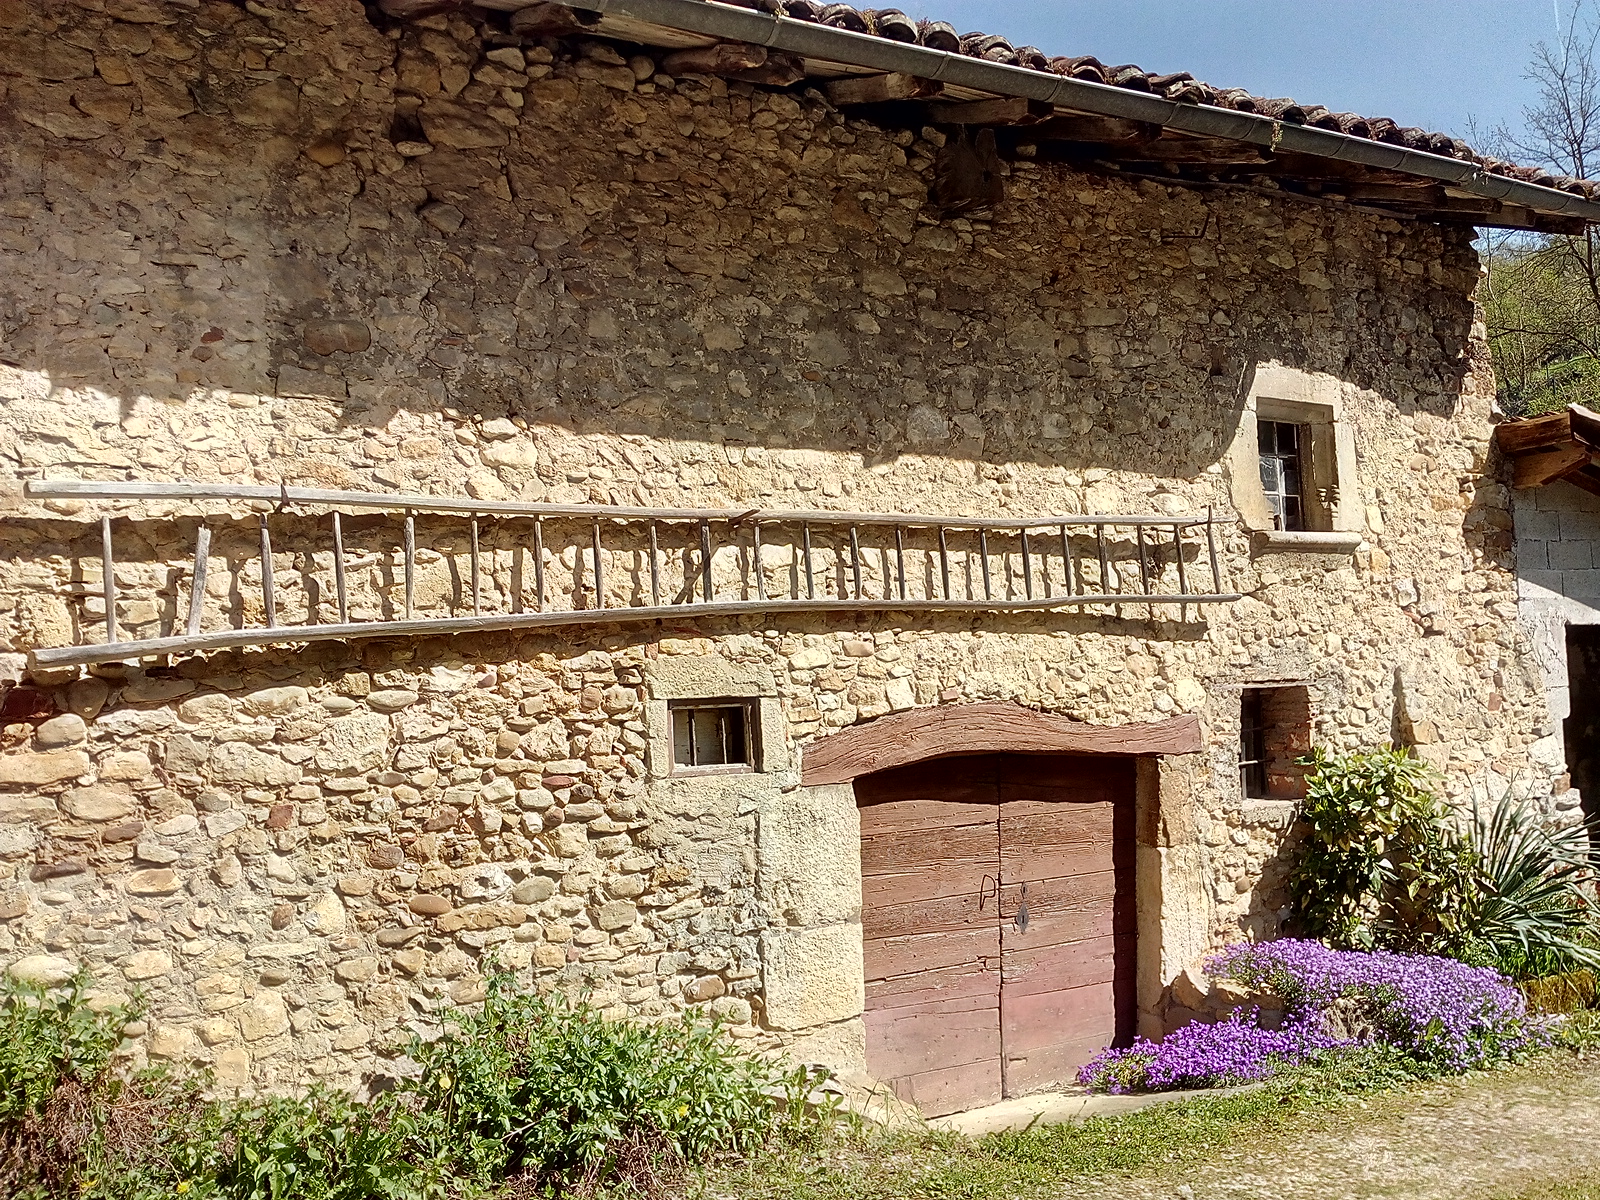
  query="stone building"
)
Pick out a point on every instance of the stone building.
point(814, 518)
point(1556, 516)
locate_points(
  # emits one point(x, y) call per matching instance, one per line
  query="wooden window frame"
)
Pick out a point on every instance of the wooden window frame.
point(1284, 470)
point(1274, 734)
point(751, 716)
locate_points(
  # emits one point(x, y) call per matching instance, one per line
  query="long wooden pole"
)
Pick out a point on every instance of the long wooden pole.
point(466, 506)
point(448, 626)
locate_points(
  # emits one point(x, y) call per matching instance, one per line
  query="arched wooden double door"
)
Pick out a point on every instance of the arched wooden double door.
point(998, 916)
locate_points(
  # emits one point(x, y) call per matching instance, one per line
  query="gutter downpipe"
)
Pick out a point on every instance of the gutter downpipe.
point(823, 42)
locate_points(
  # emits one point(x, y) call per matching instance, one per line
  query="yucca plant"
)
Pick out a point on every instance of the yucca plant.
point(1529, 908)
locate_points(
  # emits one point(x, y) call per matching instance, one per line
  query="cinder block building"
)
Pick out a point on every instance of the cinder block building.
point(782, 510)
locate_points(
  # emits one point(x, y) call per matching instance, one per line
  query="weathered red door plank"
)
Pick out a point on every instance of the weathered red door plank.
point(964, 1004)
point(929, 840)
point(1066, 847)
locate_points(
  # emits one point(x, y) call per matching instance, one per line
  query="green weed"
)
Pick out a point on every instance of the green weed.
point(891, 1165)
point(526, 1096)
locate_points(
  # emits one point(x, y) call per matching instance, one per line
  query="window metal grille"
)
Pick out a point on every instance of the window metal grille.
point(1252, 745)
point(711, 737)
point(1281, 472)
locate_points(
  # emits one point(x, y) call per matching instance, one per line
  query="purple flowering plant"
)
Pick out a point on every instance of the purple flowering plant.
point(1439, 1013)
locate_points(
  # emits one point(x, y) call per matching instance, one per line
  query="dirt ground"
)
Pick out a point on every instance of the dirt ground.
point(1471, 1139)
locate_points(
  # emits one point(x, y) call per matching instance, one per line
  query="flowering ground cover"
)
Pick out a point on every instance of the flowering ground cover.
point(1438, 1013)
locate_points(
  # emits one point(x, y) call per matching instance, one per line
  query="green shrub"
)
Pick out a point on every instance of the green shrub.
point(55, 1082)
point(551, 1098)
point(1525, 906)
point(1384, 864)
point(324, 1146)
point(534, 1087)
point(1374, 868)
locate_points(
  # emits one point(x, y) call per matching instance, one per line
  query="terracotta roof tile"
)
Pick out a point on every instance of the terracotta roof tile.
point(1181, 86)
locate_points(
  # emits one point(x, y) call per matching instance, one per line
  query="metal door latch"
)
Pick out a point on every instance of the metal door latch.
point(1021, 919)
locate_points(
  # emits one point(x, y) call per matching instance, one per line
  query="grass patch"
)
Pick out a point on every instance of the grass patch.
point(1581, 1185)
point(857, 1164)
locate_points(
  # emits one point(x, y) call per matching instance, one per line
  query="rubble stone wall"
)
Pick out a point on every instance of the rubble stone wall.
point(277, 242)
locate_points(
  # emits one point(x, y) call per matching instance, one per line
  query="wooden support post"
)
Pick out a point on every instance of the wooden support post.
point(599, 571)
point(269, 598)
point(1066, 565)
point(108, 580)
point(705, 561)
point(517, 556)
point(410, 560)
point(944, 560)
point(339, 592)
point(983, 552)
point(476, 601)
point(197, 578)
point(538, 565)
point(655, 569)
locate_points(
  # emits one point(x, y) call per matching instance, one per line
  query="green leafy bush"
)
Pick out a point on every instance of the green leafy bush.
point(1385, 864)
point(547, 1097)
point(55, 1055)
point(1374, 868)
point(1525, 905)
point(534, 1087)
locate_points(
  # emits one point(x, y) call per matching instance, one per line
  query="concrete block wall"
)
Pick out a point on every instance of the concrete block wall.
point(1558, 577)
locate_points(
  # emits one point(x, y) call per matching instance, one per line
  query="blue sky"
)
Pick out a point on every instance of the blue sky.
point(1433, 63)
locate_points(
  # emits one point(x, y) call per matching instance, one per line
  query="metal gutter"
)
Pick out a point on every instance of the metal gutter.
point(828, 44)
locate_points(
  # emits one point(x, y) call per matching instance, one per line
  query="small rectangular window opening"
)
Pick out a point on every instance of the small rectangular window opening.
point(1274, 734)
point(711, 737)
point(1282, 472)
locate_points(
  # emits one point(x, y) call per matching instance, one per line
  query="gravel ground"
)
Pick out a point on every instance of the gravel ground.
point(1469, 1139)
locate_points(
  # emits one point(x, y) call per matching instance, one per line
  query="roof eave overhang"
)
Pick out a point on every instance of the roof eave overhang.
point(825, 43)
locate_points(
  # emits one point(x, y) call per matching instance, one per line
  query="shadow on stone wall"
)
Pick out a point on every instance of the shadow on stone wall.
point(693, 262)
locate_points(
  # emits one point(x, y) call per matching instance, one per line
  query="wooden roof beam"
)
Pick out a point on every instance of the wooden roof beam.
point(880, 89)
point(1538, 433)
point(1003, 110)
point(1546, 466)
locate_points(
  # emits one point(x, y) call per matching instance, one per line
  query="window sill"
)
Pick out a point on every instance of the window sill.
point(1307, 541)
